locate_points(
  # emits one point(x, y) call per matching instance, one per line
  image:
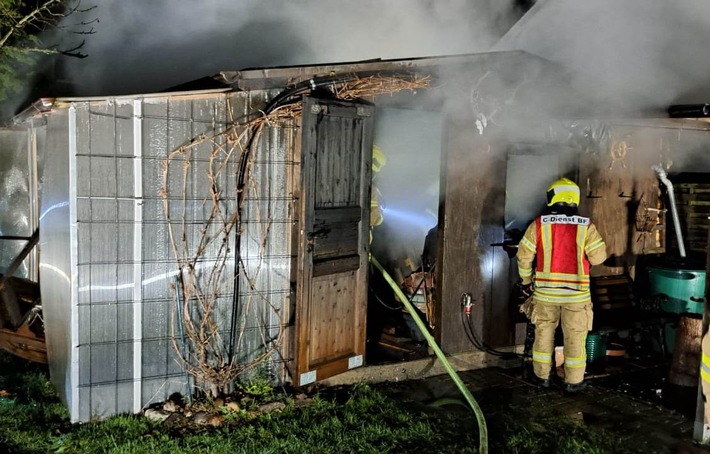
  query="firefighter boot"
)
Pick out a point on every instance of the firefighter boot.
point(530, 377)
point(574, 388)
point(542, 382)
point(537, 381)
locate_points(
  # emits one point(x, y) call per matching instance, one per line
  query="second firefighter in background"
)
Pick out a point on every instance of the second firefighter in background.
point(562, 245)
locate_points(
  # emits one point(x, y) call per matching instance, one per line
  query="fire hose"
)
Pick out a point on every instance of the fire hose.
point(480, 419)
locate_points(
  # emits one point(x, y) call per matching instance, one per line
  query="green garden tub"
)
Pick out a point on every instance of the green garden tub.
point(683, 289)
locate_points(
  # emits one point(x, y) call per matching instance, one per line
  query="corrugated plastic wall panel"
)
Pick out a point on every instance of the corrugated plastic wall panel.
point(15, 196)
point(56, 243)
point(109, 264)
point(265, 281)
point(105, 218)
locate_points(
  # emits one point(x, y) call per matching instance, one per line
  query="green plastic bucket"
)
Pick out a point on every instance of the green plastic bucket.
point(683, 289)
point(596, 347)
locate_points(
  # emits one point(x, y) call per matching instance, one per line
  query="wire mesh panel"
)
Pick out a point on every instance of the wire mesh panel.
point(104, 178)
point(146, 193)
point(184, 191)
point(265, 245)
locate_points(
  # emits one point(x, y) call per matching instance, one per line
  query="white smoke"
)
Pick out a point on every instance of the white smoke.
point(650, 53)
point(141, 46)
point(642, 55)
point(631, 58)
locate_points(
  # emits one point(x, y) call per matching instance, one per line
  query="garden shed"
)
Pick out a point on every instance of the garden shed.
point(222, 228)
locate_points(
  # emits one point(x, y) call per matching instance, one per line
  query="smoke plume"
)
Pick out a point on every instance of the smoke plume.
point(649, 53)
point(143, 46)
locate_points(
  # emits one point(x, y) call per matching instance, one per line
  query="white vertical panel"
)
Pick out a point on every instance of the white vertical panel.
point(33, 269)
point(73, 266)
point(137, 255)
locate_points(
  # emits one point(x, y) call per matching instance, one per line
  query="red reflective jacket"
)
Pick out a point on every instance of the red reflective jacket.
point(565, 247)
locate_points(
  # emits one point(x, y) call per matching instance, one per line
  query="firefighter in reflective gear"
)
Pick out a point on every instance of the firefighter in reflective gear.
point(376, 215)
point(376, 209)
point(563, 246)
point(705, 376)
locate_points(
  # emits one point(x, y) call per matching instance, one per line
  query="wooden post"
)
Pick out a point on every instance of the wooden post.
point(470, 219)
point(685, 368)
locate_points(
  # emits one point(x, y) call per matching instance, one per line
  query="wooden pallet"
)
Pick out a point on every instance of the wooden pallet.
point(21, 329)
point(693, 203)
point(24, 343)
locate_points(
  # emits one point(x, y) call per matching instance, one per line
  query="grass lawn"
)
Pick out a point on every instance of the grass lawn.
point(357, 419)
point(361, 418)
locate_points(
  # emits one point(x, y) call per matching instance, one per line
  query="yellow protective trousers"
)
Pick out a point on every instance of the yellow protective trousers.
point(576, 321)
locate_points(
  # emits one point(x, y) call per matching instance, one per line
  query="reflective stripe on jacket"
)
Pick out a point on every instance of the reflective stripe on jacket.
point(705, 368)
point(705, 365)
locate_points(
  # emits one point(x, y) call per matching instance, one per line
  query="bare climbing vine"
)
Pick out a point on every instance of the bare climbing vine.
point(209, 352)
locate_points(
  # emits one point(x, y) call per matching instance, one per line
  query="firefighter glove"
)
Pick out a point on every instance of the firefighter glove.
point(525, 289)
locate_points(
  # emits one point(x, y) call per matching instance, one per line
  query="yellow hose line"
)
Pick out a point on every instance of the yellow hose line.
point(482, 428)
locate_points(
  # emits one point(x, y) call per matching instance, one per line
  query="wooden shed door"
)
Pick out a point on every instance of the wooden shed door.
point(336, 154)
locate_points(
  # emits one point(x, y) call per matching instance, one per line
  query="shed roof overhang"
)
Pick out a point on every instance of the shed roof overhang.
point(514, 78)
point(524, 84)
